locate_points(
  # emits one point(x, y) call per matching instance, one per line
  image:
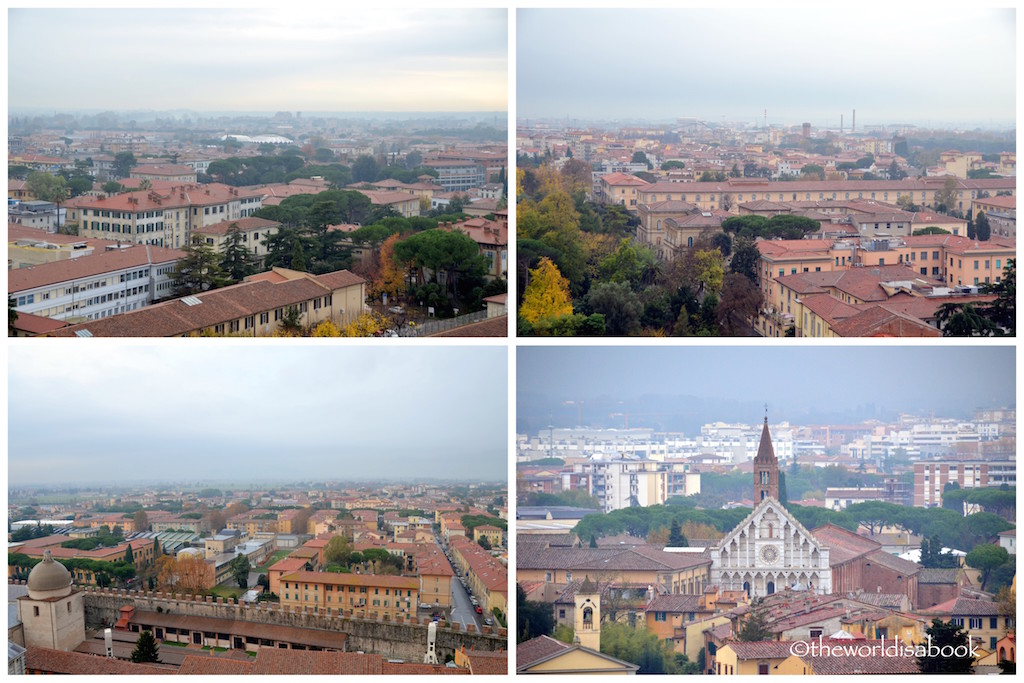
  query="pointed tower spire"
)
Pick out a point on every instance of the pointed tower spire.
point(766, 467)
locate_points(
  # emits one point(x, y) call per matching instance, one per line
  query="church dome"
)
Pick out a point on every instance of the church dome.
point(49, 577)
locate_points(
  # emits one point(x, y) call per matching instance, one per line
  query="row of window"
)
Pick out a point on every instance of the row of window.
point(350, 589)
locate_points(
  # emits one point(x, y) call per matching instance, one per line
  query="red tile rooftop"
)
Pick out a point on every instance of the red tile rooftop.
point(31, 277)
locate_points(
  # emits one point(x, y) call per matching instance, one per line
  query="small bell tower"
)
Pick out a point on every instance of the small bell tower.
point(587, 616)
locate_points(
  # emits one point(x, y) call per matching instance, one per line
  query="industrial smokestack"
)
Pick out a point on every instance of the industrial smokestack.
point(108, 638)
point(853, 126)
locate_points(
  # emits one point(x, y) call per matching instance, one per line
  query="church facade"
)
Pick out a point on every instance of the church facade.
point(770, 550)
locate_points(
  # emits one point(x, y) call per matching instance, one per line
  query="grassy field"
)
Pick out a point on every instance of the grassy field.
point(227, 591)
point(279, 555)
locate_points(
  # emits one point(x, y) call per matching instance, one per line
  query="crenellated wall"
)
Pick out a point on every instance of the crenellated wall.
point(395, 639)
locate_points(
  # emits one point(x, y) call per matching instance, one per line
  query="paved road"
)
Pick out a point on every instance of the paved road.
point(463, 611)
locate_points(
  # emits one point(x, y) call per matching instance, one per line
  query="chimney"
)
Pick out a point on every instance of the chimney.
point(108, 638)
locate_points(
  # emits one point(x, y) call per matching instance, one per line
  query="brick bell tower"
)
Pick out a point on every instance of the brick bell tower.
point(766, 468)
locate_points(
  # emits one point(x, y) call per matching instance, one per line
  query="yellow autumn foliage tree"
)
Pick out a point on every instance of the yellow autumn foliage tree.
point(366, 325)
point(326, 329)
point(547, 295)
point(390, 276)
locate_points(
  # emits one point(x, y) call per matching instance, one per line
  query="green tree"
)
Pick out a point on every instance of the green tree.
point(236, 261)
point(240, 568)
point(112, 187)
point(981, 227)
point(946, 198)
point(129, 556)
point(48, 188)
point(931, 230)
point(745, 257)
point(291, 320)
point(675, 536)
point(533, 618)
point(986, 557)
point(298, 261)
point(12, 316)
point(484, 543)
point(619, 305)
point(944, 636)
point(338, 550)
point(123, 164)
point(146, 649)
point(198, 271)
point(674, 163)
point(365, 169)
point(755, 627)
point(140, 522)
point(964, 320)
point(593, 541)
point(639, 646)
point(740, 303)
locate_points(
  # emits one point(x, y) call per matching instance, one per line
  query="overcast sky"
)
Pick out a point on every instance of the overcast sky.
point(124, 413)
point(895, 64)
point(682, 387)
point(321, 57)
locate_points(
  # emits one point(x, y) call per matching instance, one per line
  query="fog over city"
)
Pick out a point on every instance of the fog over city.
point(683, 387)
point(800, 64)
point(286, 413)
point(333, 58)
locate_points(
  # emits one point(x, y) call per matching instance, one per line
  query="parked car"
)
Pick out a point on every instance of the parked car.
point(479, 610)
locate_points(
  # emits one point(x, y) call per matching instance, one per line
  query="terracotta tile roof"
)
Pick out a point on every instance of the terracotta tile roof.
point(289, 564)
point(381, 197)
point(885, 321)
point(675, 603)
point(827, 307)
point(30, 277)
point(239, 627)
point(163, 169)
point(214, 666)
point(491, 573)
point(177, 196)
point(843, 545)
point(853, 663)
point(798, 186)
point(761, 649)
point(636, 558)
point(888, 600)
point(339, 279)
point(484, 663)
point(175, 318)
point(671, 206)
point(536, 649)
point(964, 607)
point(59, 662)
point(37, 324)
point(280, 662)
point(622, 179)
point(417, 669)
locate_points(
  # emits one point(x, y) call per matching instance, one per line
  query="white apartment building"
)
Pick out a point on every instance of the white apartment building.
point(114, 281)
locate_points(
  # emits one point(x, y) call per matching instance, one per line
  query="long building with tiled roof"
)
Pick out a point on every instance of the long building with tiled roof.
point(94, 287)
point(255, 307)
point(164, 217)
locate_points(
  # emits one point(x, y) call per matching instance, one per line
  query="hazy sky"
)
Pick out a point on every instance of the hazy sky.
point(808, 64)
point(124, 413)
point(690, 385)
point(322, 57)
